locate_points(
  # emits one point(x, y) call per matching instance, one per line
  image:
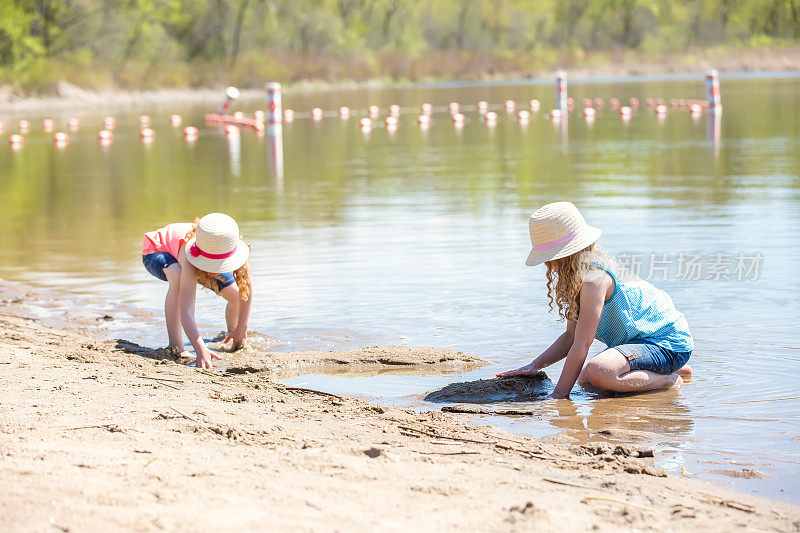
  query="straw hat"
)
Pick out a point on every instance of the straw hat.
point(558, 230)
point(216, 247)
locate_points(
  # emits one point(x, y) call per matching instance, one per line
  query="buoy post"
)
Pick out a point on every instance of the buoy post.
point(231, 94)
point(561, 90)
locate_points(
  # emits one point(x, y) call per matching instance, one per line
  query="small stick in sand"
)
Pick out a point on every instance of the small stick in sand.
point(196, 421)
point(568, 484)
point(447, 453)
point(312, 391)
point(429, 434)
point(729, 503)
point(113, 428)
point(161, 379)
point(614, 500)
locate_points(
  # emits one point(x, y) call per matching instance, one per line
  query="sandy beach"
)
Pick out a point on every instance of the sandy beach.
point(100, 433)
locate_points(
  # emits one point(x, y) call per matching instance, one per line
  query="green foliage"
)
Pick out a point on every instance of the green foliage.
point(136, 43)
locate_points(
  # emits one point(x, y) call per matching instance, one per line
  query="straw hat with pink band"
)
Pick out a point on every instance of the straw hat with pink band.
point(216, 247)
point(558, 230)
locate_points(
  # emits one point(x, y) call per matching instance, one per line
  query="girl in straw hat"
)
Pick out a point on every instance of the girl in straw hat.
point(648, 339)
point(208, 252)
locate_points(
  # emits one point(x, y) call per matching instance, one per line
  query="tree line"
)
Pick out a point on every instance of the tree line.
point(194, 42)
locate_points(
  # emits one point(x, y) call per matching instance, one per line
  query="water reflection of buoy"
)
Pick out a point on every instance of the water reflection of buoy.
point(190, 133)
point(288, 115)
point(48, 125)
point(147, 135)
point(394, 110)
point(427, 109)
point(24, 126)
point(144, 121)
point(175, 120)
point(105, 135)
point(570, 103)
point(60, 139)
point(344, 112)
point(483, 107)
point(73, 124)
point(2, 128)
point(535, 105)
point(16, 140)
point(454, 108)
point(374, 111)
point(109, 123)
point(316, 113)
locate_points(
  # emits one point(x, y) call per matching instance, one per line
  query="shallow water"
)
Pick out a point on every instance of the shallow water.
point(419, 238)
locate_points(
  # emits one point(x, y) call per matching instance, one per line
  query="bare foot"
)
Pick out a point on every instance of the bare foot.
point(677, 384)
point(685, 371)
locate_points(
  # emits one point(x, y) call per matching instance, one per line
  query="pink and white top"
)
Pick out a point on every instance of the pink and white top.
point(167, 239)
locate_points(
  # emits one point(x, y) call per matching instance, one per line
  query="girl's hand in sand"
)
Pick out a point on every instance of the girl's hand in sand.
point(528, 370)
point(204, 359)
point(238, 336)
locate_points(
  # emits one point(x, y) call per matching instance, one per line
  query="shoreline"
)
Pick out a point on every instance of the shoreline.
point(69, 97)
point(99, 432)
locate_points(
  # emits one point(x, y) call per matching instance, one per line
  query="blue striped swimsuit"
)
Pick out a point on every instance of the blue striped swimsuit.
point(637, 312)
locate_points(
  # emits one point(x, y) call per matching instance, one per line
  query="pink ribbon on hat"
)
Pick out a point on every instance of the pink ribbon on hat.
point(196, 252)
point(552, 244)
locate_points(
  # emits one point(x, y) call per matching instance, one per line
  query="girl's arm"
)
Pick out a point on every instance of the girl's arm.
point(556, 352)
point(187, 298)
point(593, 295)
point(239, 333)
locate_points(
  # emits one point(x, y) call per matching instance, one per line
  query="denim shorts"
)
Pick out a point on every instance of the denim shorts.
point(644, 355)
point(156, 262)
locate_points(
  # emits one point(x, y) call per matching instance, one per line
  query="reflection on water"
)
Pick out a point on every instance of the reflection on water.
point(417, 237)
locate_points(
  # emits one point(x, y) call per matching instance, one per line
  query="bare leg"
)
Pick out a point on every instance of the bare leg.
point(172, 309)
point(231, 294)
point(610, 370)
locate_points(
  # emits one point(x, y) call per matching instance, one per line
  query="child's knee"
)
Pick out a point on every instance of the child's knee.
point(173, 273)
point(599, 374)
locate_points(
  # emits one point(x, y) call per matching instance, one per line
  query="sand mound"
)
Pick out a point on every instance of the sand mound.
point(375, 358)
point(514, 389)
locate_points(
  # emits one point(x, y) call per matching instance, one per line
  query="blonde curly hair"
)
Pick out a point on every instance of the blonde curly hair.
point(567, 273)
point(209, 280)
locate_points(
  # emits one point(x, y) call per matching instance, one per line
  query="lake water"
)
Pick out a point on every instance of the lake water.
point(418, 237)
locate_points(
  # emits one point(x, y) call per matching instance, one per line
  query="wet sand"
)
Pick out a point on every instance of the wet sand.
point(101, 433)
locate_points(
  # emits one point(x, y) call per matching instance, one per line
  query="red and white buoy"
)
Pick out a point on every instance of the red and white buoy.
point(395, 110)
point(2, 128)
point(175, 120)
point(454, 108)
point(190, 133)
point(316, 114)
point(634, 103)
point(424, 120)
point(238, 116)
point(365, 122)
point(231, 131)
point(231, 94)
point(613, 103)
point(427, 109)
point(374, 111)
point(147, 135)
point(599, 103)
point(458, 120)
point(490, 117)
point(344, 112)
point(16, 140)
point(661, 111)
point(391, 121)
point(555, 115)
point(274, 106)
point(524, 116)
point(109, 123)
point(589, 112)
point(695, 110)
point(73, 124)
point(535, 105)
point(510, 106)
point(48, 125)
point(483, 107)
point(712, 92)
point(625, 112)
point(24, 126)
point(288, 115)
point(105, 135)
point(144, 121)
point(259, 115)
point(561, 90)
